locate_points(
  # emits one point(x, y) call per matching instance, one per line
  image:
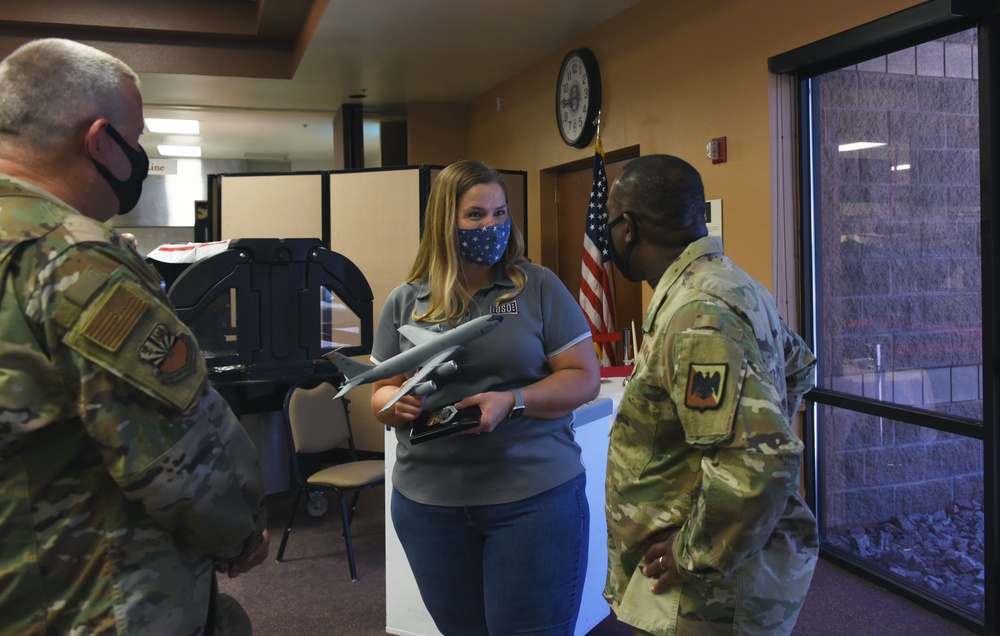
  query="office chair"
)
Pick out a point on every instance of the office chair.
point(317, 423)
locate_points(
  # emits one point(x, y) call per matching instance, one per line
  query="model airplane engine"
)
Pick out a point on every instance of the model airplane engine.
point(425, 388)
point(447, 368)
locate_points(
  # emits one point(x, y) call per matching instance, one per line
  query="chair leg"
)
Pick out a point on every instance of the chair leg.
point(354, 506)
point(346, 517)
point(288, 529)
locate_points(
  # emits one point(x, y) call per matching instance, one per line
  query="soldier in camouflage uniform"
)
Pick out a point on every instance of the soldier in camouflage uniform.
point(707, 532)
point(125, 479)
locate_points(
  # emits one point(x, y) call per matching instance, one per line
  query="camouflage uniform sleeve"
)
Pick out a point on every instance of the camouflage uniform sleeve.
point(167, 438)
point(748, 460)
point(800, 368)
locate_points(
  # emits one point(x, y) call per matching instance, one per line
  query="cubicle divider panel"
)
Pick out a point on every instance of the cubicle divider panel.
point(375, 222)
point(271, 206)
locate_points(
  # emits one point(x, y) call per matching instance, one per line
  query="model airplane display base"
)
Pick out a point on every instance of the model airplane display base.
point(444, 421)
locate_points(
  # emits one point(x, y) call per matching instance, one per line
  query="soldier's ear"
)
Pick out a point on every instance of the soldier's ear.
point(97, 144)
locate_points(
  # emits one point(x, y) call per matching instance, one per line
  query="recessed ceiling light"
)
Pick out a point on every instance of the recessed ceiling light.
point(858, 145)
point(902, 166)
point(179, 151)
point(174, 126)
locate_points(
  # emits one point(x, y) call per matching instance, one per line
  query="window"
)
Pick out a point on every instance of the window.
point(892, 273)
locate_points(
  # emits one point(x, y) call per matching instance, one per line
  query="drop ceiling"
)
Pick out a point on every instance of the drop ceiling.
point(266, 77)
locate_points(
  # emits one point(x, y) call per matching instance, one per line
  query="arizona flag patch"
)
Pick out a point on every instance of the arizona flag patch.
point(171, 354)
point(705, 386)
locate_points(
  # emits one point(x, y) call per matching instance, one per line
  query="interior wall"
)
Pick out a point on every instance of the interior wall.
point(674, 74)
point(437, 133)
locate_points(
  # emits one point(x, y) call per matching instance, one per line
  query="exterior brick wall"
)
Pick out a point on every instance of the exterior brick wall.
point(900, 271)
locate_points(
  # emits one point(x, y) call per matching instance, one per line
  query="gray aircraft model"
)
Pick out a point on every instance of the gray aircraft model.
point(431, 354)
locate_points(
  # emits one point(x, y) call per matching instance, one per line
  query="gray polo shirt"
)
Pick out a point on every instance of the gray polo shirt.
point(520, 458)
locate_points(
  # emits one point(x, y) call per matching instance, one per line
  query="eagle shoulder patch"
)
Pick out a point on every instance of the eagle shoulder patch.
point(705, 386)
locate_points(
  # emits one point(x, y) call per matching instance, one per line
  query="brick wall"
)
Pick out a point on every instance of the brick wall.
point(899, 267)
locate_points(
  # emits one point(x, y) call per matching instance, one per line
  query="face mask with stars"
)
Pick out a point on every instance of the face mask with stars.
point(484, 245)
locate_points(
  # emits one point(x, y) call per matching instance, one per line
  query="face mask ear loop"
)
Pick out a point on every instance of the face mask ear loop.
point(128, 191)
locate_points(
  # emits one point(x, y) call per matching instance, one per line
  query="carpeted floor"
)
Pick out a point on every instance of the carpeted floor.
point(311, 593)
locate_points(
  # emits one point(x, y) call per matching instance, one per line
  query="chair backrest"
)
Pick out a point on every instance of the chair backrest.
point(316, 421)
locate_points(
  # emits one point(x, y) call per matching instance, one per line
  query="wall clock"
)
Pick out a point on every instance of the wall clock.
point(578, 97)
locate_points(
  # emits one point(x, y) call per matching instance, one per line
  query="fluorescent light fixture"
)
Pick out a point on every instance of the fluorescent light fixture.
point(858, 145)
point(179, 151)
point(902, 166)
point(174, 126)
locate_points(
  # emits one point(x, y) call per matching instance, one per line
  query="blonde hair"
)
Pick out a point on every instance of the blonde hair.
point(438, 259)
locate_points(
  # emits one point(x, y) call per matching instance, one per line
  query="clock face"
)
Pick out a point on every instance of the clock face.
point(578, 97)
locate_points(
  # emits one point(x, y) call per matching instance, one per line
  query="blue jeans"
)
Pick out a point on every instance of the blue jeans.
point(514, 568)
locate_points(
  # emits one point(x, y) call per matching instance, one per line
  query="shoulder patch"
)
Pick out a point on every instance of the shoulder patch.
point(130, 334)
point(81, 291)
point(171, 354)
point(116, 318)
point(706, 321)
point(706, 386)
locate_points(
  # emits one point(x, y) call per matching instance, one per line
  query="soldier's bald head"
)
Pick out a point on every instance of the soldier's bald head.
point(667, 196)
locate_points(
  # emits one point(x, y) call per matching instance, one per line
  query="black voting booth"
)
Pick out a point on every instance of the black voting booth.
point(264, 312)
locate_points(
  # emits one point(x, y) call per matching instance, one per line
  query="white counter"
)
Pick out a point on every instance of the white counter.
point(405, 613)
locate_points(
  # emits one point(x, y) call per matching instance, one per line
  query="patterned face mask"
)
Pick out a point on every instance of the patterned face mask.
point(484, 245)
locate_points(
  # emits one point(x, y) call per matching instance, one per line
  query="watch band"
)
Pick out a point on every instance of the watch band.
point(518, 409)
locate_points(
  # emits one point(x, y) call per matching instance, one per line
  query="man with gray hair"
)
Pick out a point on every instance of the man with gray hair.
point(125, 479)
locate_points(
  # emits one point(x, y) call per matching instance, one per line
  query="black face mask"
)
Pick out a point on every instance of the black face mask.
point(128, 191)
point(620, 263)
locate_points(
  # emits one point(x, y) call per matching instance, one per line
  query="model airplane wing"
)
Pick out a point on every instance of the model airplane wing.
point(418, 378)
point(419, 335)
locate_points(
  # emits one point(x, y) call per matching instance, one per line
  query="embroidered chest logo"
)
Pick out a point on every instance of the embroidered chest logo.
point(172, 354)
point(507, 308)
point(706, 385)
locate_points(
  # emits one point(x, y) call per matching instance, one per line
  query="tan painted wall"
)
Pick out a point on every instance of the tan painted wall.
point(437, 133)
point(675, 74)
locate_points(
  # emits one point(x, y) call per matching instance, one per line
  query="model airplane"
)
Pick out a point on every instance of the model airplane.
point(431, 354)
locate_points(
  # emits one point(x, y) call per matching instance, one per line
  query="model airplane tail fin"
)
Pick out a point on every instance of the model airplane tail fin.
point(348, 367)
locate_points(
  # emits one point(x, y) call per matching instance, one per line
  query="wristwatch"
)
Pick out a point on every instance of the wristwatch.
point(518, 409)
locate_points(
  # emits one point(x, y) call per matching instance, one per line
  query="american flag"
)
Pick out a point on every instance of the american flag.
point(597, 293)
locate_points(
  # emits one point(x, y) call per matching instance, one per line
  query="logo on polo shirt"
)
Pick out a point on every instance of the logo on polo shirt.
point(509, 307)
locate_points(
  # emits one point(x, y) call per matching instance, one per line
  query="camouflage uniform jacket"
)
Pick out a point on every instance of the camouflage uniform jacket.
point(123, 474)
point(702, 446)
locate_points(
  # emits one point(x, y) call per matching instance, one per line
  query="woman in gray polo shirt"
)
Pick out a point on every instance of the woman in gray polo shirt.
point(494, 519)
